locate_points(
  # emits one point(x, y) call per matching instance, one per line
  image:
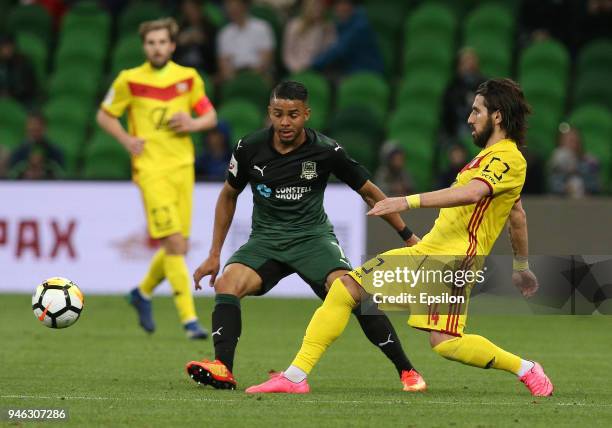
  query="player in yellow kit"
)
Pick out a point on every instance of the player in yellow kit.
point(474, 210)
point(159, 97)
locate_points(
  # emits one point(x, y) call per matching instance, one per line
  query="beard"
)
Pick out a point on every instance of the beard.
point(481, 138)
point(159, 63)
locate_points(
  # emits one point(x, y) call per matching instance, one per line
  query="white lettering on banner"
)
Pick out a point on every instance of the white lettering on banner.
point(96, 235)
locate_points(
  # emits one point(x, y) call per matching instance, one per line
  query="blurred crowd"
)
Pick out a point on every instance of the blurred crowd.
point(335, 38)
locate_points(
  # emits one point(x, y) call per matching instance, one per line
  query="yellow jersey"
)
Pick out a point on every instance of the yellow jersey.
point(151, 97)
point(472, 229)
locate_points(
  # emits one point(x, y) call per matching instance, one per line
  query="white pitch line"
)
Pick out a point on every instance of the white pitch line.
point(216, 400)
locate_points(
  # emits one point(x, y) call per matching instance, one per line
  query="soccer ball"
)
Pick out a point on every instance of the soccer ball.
point(57, 302)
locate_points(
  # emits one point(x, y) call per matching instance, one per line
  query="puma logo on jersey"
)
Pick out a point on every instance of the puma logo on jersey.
point(387, 342)
point(337, 147)
point(217, 332)
point(261, 170)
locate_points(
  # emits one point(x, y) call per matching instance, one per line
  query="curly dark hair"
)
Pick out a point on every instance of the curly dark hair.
point(506, 96)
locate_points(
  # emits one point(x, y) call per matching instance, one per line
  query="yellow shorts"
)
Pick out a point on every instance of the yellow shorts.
point(433, 288)
point(168, 201)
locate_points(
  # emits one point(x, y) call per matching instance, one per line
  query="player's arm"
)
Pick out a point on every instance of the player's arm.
point(224, 214)
point(206, 115)
point(371, 194)
point(522, 277)
point(455, 196)
point(111, 125)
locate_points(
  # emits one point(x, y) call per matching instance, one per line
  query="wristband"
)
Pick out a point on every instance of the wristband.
point(405, 233)
point(414, 201)
point(520, 264)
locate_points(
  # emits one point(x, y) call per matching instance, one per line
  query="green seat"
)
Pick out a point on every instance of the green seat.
point(248, 86)
point(242, 116)
point(127, 53)
point(106, 160)
point(137, 12)
point(68, 111)
point(494, 54)
point(411, 117)
point(542, 132)
point(70, 141)
point(364, 89)
point(65, 83)
point(77, 22)
point(12, 122)
point(32, 18)
point(82, 47)
point(214, 13)
point(430, 52)
point(424, 88)
point(319, 97)
point(548, 55)
point(358, 146)
point(595, 57)
point(419, 151)
point(37, 52)
point(543, 91)
point(493, 20)
point(386, 17)
point(359, 119)
point(430, 19)
point(593, 88)
point(595, 125)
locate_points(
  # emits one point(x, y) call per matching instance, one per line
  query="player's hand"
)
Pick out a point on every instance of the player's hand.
point(526, 282)
point(389, 205)
point(210, 266)
point(133, 145)
point(181, 123)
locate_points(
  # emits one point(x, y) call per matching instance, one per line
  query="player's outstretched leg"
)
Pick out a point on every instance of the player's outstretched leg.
point(478, 351)
point(326, 325)
point(381, 333)
point(140, 297)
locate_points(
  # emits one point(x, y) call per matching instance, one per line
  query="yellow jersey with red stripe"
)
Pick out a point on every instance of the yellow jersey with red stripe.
point(151, 97)
point(473, 229)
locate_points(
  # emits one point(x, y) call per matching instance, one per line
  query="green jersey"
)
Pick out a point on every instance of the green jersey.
point(288, 188)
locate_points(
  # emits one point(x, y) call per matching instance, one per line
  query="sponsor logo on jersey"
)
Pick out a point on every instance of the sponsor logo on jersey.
point(260, 169)
point(264, 190)
point(233, 166)
point(182, 87)
point(309, 170)
point(291, 193)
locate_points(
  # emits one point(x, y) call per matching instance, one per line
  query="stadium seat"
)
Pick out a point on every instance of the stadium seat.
point(86, 47)
point(70, 141)
point(32, 18)
point(429, 52)
point(79, 20)
point(12, 122)
point(247, 86)
point(543, 91)
point(359, 119)
point(364, 89)
point(542, 129)
point(419, 152)
point(37, 52)
point(106, 160)
point(359, 147)
point(242, 116)
point(69, 111)
point(137, 12)
point(429, 20)
point(423, 87)
point(548, 55)
point(494, 54)
point(127, 53)
point(493, 20)
point(319, 97)
point(64, 83)
point(593, 88)
point(595, 57)
point(595, 125)
point(387, 17)
point(412, 116)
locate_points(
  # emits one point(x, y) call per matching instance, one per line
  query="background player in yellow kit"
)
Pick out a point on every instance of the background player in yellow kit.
point(159, 97)
point(474, 210)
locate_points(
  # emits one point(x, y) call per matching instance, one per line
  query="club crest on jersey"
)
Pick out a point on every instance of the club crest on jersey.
point(309, 170)
point(182, 87)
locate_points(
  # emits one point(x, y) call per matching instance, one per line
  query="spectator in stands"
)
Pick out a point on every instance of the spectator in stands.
point(5, 156)
point(17, 76)
point(535, 180)
point(306, 36)
point(391, 176)
point(282, 7)
point(36, 167)
point(245, 43)
point(573, 172)
point(356, 47)
point(36, 143)
point(460, 94)
point(457, 159)
point(196, 40)
point(212, 163)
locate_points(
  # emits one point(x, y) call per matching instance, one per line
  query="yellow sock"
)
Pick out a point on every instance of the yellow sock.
point(155, 275)
point(178, 276)
point(478, 351)
point(327, 323)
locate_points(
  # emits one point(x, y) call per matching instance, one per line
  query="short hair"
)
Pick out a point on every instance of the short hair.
point(159, 24)
point(506, 96)
point(290, 90)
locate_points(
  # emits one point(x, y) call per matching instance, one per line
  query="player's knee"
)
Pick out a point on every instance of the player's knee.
point(352, 287)
point(175, 244)
point(436, 338)
point(225, 285)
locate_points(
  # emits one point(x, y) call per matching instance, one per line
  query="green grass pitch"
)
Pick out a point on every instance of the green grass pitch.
point(107, 372)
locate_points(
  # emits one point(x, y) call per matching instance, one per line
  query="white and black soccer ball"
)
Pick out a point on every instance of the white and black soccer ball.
point(57, 302)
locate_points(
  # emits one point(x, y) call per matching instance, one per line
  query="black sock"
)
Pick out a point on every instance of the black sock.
point(381, 333)
point(226, 328)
